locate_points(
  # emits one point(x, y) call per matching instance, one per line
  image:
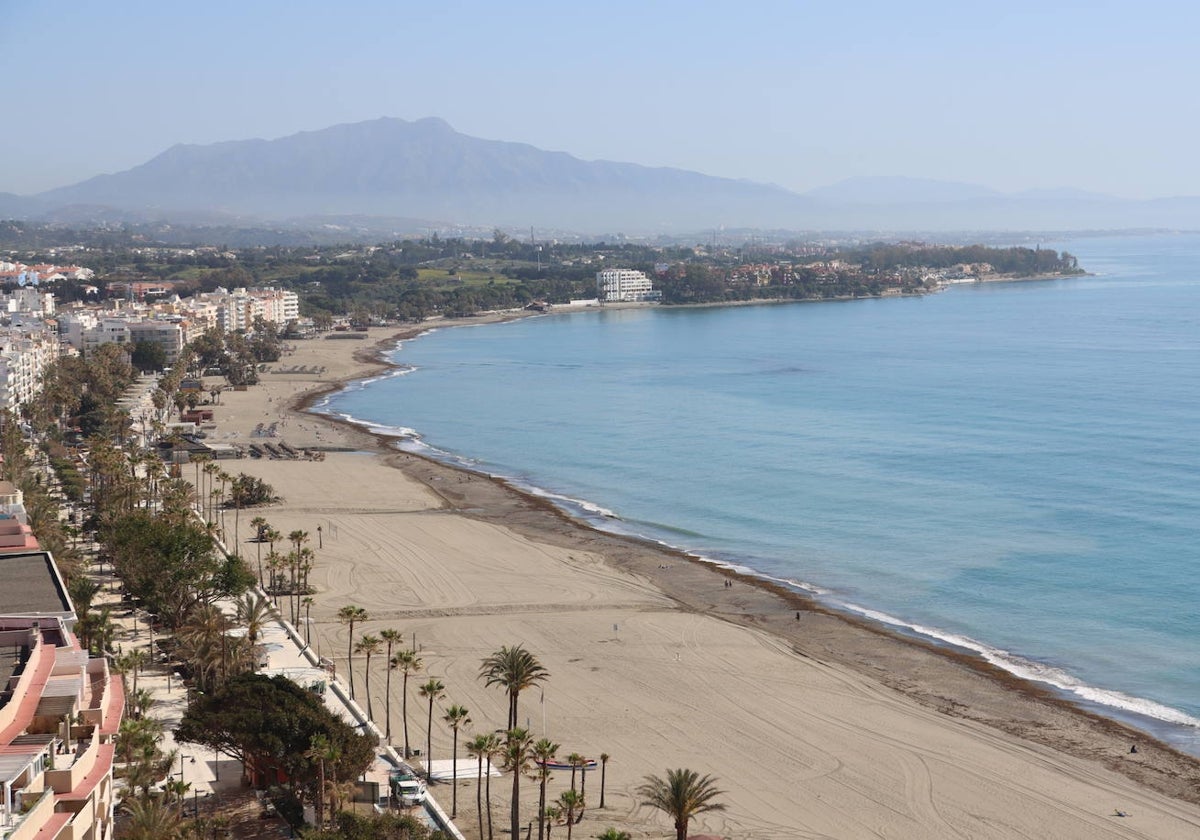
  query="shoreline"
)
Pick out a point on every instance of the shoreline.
point(790, 596)
point(828, 724)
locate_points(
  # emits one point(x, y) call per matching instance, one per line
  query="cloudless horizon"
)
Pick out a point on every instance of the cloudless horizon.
point(1088, 96)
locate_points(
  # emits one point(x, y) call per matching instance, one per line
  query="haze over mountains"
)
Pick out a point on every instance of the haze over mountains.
point(425, 170)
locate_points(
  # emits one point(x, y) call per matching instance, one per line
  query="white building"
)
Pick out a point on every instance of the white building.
point(85, 332)
point(24, 354)
point(239, 309)
point(624, 285)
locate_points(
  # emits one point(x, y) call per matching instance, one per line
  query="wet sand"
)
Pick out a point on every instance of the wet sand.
point(816, 725)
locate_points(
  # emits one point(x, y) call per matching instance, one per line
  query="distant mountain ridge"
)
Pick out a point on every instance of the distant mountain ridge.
point(425, 170)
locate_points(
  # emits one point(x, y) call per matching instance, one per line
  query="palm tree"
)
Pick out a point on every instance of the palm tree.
point(575, 760)
point(177, 789)
point(455, 716)
point(369, 646)
point(543, 751)
point(683, 795)
point(515, 669)
point(254, 611)
point(133, 662)
point(349, 615)
point(307, 603)
point(151, 819)
point(408, 662)
point(390, 638)
point(320, 750)
point(259, 524)
point(276, 563)
point(604, 757)
point(516, 756)
point(432, 690)
point(613, 834)
point(553, 812)
point(572, 802)
point(478, 747)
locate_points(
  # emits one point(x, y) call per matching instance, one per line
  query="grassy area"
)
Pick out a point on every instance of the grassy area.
point(441, 278)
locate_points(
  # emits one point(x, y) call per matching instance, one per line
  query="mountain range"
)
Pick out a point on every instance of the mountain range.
point(428, 173)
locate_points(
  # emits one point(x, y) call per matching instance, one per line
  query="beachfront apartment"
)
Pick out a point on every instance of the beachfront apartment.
point(625, 285)
point(59, 712)
point(25, 351)
point(85, 331)
point(239, 309)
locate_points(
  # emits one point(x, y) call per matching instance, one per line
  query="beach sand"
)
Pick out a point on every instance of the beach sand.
point(815, 725)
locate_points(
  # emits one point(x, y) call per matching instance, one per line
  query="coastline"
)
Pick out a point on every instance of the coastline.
point(954, 686)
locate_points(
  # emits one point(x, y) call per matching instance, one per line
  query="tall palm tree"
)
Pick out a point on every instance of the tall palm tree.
point(307, 603)
point(570, 801)
point(515, 669)
point(259, 524)
point(350, 614)
point(515, 755)
point(575, 760)
point(455, 716)
point(492, 749)
point(391, 638)
point(478, 747)
point(133, 662)
point(408, 662)
point(431, 690)
point(321, 750)
point(683, 795)
point(604, 757)
point(369, 645)
point(276, 563)
point(543, 751)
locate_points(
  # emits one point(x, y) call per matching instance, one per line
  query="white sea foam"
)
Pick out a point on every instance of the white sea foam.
point(1037, 671)
point(568, 501)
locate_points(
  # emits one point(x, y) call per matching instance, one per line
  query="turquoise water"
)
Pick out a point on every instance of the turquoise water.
point(1009, 467)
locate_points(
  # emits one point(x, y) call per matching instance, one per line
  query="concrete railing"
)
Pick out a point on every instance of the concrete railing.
point(30, 823)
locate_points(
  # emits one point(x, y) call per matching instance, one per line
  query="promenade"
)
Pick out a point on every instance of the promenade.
point(215, 787)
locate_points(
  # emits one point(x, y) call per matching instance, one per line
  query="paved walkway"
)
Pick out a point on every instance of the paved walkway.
point(209, 773)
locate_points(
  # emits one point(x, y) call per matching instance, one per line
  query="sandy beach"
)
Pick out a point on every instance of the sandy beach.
point(814, 723)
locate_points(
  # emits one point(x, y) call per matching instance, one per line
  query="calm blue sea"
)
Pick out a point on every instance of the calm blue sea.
point(1009, 467)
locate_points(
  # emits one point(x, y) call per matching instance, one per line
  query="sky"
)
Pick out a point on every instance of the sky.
point(1017, 95)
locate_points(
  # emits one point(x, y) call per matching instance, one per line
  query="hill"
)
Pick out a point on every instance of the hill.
point(426, 169)
point(432, 177)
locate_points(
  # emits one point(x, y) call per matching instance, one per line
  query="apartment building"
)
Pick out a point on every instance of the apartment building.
point(59, 712)
point(625, 285)
point(25, 351)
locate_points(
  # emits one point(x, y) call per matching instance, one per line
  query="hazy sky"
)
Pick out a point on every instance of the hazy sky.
point(1013, 95)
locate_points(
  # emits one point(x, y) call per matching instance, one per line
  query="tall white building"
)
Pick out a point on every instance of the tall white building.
point(624, 285)
point(24, 355)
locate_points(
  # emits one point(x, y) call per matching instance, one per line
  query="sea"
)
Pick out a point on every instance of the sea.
point(1010, 468)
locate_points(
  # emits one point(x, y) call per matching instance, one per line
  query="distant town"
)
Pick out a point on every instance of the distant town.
point(154, 299)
